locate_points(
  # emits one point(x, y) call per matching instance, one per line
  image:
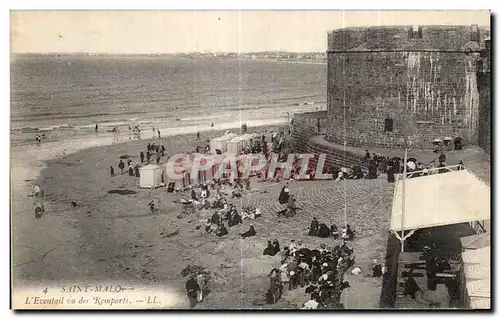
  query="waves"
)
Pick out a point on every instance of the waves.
point(49, 95)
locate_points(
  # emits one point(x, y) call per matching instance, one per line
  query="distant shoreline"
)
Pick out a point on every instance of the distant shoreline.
point(195, 56)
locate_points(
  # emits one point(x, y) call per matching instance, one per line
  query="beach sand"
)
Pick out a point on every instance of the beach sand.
point(63, 245)
point(110, 238)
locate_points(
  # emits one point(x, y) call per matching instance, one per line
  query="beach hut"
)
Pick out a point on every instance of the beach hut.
point(178, 167)
point(150, 176)
point(220, 143)
point(238, 143)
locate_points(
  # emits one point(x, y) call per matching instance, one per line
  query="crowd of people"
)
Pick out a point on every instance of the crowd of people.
point(134, 168)
point(391, 166)
point(210, 196)
point(323, 231)
point(322, 270)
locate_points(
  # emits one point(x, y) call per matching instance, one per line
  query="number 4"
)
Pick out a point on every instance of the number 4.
point(45, 291)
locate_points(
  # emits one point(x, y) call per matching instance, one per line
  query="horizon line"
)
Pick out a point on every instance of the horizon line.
point(160, 53)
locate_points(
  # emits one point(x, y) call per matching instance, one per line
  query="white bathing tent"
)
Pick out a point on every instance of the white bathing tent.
point(173, 172)
point(220, 143)
point(150, 176)
point(238, 143)
point(440, 199)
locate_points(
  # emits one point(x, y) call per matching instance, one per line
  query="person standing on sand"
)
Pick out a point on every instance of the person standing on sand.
point(192, 289)
point(200, 280)
point(284, 195)
point(159, 135)
point(142, 156)
point(96, 128)
point(130, 170)
point(158, 159)
point(112, 171)
point(148, 156)
point(121, 166)
point(198, 135)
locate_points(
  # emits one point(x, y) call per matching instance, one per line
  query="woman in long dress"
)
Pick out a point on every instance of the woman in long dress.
point(284, 195)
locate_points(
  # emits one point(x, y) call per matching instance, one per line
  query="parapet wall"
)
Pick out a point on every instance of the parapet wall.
point(306, 125)
point(308, 131)
point(406, 38)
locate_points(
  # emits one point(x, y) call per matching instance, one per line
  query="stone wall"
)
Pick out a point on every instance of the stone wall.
point(427, 86)
point(305, 125)
point(335, 156)
point(485, 113)
point(306, 131)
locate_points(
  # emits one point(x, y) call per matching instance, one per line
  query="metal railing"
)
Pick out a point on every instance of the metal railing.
point(430, 171)
point(478, 227)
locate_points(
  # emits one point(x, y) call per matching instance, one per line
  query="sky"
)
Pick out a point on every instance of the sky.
point(150, 32)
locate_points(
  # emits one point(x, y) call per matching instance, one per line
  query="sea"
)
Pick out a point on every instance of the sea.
point(63, 97)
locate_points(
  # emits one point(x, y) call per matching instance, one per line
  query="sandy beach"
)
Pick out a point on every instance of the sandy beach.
point(110, 238)
point(63, 254)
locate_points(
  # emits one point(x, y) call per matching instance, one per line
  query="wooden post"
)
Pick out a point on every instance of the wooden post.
point(403, 204)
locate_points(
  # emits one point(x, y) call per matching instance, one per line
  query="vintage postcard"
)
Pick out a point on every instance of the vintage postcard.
point(250, 160)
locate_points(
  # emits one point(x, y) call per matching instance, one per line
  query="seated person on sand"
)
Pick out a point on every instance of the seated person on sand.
point(221, 231)
point(357, 172)
point(205, 193)
point(171, 187)
point(257, 212)
point(205, 204)
point(39, 209)
point(285, 254)
point(322, 248)
point(193, 194)
point(152, 207)
point(323, 231)
point(347, 233)
point(208, 226)
point(236, 193)
point(216, 218)
point(292, 247)
point(299, 246)
point(376, 269)
point(340, 175)
point(313, 229)
point(276, 245)
point(234, 218)
point(250, 232)
point(247, 214)
point(334, 231)
point(270, 249)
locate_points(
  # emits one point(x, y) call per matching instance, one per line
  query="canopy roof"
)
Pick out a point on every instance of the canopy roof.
point(440, 199)
point(225, 137)
point(150, 167)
